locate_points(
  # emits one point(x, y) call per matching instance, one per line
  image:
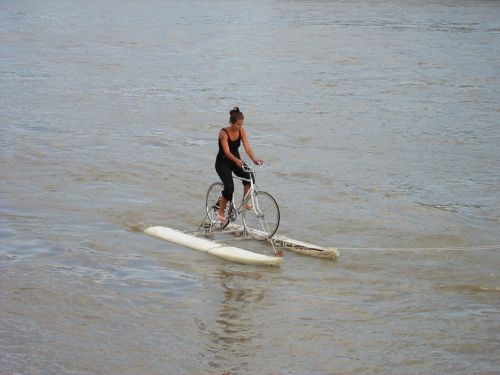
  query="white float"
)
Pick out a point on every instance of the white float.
point(231, 253)
point(297, 246)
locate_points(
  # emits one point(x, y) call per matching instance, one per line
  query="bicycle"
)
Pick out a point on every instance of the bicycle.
point(259, 210)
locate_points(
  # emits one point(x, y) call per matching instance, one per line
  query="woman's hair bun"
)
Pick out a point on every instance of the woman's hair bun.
point(235, 115)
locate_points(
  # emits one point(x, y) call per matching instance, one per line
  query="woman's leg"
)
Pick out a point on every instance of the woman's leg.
point(246, 185)
point(225, 174)
point(222, 208)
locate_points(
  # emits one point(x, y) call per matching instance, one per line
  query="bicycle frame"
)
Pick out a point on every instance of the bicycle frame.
point(250, 196)
point(254, 217)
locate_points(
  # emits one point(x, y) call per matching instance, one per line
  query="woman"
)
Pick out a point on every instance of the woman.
point(228, 159)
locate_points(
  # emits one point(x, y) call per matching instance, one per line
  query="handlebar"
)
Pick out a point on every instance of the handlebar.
point(247, 168)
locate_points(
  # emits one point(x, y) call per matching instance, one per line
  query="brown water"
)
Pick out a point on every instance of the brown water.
point(381, 122)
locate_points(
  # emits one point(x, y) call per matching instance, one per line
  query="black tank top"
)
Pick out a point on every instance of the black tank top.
point(233, 147)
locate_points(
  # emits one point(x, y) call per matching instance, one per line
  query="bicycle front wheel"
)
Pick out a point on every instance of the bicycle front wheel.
point(262, 220)
point(214, 195)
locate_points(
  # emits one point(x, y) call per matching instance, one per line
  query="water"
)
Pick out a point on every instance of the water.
point(381, 121)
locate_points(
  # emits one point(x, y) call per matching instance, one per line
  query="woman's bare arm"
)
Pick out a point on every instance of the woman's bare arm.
point(248, 149)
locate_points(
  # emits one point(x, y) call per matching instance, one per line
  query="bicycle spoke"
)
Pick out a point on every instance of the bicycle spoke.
point(262, 220)
point(212, 202)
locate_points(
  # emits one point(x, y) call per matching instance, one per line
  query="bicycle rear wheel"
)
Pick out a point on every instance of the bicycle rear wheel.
point(214, 195)
point(263, 220)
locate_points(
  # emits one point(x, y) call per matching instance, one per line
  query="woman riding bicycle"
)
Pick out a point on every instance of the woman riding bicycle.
point(229, 161)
